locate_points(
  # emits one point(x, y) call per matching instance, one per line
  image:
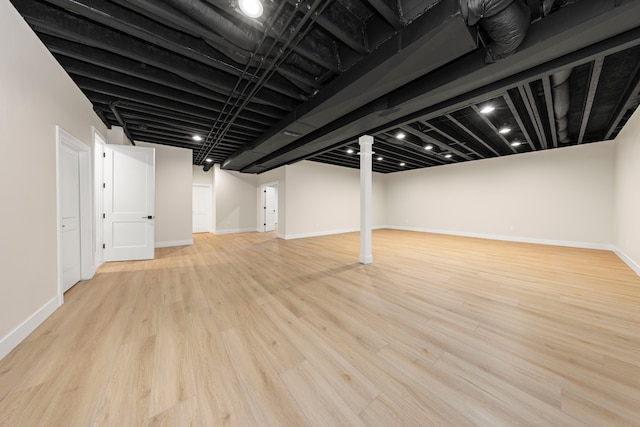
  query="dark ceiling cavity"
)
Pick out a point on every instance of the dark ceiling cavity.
point(308, 77)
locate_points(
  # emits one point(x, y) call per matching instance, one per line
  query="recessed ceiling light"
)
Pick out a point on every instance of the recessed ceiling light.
point(504, 130)
point(209, 160)
point(516, 143)
point(428, 147)
point(350, 151)
point(196, 138)
point(251, 8)
point(379, 159)
point(400, 135)
point(402, 164)
point(487, 109)
point(448, 156)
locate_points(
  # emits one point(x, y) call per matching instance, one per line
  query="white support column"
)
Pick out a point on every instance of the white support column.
point(366, 143)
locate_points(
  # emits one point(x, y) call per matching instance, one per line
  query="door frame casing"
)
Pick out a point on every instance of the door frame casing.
point(87, 267)
point(99, 141)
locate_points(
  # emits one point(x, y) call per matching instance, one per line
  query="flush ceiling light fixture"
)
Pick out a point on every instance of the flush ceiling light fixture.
point(487, 109)
point(209, 160)
point(428, 147)
point(448, 156)
point(350, 151)
point(402, 164)
point(379, 159)
point(196, 138)
point(400, 135)
point(251, 8)
point(504, 130)
point(516, 143)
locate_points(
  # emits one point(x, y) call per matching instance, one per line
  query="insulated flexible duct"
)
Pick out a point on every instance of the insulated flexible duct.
point(561, 102)
point(505, 21)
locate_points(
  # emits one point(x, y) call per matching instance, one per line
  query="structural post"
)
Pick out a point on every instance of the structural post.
point(366, 144)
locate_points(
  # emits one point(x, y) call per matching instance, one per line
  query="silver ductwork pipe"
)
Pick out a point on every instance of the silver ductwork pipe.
point(561, 102)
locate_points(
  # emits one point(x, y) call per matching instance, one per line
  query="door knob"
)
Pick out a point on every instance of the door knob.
point(148, 217)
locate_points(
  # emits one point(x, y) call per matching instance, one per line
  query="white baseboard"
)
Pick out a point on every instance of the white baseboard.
point(520, 239)
point(631, 263)
point(236, 230)
point(15, 337)
point(325, 233)
point(174, 243)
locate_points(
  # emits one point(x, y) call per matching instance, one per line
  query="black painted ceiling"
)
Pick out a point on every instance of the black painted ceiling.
point(308, 77)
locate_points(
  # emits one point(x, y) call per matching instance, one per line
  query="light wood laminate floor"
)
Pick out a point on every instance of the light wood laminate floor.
point(249, 330)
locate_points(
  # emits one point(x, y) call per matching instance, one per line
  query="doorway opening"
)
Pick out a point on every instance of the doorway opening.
point(269, 196)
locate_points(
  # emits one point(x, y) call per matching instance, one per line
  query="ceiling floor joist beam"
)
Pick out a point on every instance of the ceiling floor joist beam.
point(551, 118)
point(472, 134)
point(594, 80)
point(516, 115)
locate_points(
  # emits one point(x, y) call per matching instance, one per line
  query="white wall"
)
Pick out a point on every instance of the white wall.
point(36, 95)
point(173, 195)
point(207, 178)
point(324, 199)
point(562, 195)
point(627, 193)
point(235, 201)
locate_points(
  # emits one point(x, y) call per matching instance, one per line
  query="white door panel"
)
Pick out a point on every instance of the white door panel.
point(201, 200)
point(270, 208)
point(129, 203)
point(70, 216)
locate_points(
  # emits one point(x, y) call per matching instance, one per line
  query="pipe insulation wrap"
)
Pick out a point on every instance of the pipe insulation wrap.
point(507, 30)
point(561, 102)
point(480, 9)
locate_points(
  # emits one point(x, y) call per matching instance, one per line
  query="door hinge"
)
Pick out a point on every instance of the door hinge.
point(265, 224)
point(264, 207)
point(104, 246)
point(104, 216)
point(104, 185)
point(104, 154)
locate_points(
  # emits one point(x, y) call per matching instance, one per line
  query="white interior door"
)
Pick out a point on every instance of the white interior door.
point(129, 175)
point(70, 216)
point(270, 208)
point(201, 200)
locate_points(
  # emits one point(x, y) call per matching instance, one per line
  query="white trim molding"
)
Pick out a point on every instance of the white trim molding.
point(174, 243)
point(520, 239)
point(237, 230)
point(627, 260)
point(15, 337)
point(326, 233)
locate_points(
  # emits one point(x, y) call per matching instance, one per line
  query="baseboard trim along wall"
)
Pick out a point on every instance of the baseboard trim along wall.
point(15, 337)
point(238, 230)
point(631, 263)
point(174, 243)
point(325, 233)
point(552, 242)
point(568, 243)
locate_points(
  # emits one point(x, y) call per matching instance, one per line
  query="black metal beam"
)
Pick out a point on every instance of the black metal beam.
point(337, 20)
point(472, 134)
point(387, 13)
point(493, 128)
point(629, 96)
point(454, 140)
point(594, 80)
point(548, 98)
point(516, 115)
point(129, 95)
point(59, 24)
point(85, 75)
point(532, 109)
point(143, 28)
